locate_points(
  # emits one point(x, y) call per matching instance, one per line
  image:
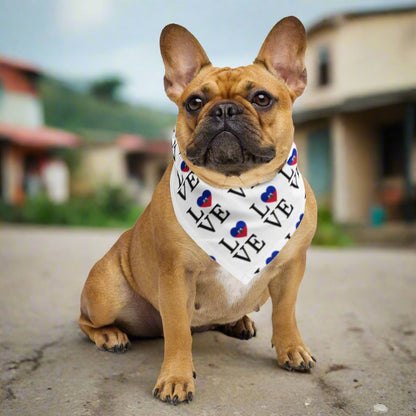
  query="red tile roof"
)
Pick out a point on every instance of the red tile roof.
point(136, 143)
point(39, 136)
point(132, 142)
point(159, 147)
point(20, 65)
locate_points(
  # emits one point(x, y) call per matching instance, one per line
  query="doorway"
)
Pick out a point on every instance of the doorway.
point(392, 190)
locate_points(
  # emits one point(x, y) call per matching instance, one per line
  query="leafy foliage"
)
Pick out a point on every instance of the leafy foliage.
point(73, 110)
point(106, 88)
point(328, 233)
point(108, 207)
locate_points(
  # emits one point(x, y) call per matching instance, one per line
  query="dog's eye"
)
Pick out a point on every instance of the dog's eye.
point(194, 103)
point(261, 99)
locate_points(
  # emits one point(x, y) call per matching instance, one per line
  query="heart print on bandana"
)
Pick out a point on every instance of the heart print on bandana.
point(205, 199)
point(293, 159)
point(270, 195)
point(240, 230)
point(184, 167)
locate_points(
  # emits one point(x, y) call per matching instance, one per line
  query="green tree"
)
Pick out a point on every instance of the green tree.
point(106, 88)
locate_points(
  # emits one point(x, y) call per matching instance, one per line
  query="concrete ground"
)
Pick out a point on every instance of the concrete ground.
point(356, 312)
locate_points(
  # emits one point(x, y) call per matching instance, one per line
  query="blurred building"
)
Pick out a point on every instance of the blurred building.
point(28, 164)
point(129, 161)
point(355, 123)
point(31, 158)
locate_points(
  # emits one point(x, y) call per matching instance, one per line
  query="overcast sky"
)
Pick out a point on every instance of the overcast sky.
point(89, 38)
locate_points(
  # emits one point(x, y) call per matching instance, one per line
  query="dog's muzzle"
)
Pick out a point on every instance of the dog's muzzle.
point(226, 141)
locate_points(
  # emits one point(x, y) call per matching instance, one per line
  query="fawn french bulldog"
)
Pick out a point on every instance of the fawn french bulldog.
point(228, 225)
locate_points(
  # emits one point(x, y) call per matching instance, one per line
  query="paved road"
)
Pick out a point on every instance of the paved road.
point(356, 311)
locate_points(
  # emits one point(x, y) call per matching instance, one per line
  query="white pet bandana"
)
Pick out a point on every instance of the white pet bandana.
point(242, 229)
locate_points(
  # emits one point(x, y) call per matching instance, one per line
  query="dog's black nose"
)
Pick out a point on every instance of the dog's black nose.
point(226, 109)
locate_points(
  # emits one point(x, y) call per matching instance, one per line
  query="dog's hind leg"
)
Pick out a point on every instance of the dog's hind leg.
point(244, 328)
point(101, 302)
point(110, 306)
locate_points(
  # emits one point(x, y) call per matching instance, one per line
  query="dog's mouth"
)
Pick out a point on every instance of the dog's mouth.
point(227, 153)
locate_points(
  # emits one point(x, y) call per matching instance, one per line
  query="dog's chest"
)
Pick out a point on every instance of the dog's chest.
point(222, 298)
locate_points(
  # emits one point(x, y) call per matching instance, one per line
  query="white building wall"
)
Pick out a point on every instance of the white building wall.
point(20, 109)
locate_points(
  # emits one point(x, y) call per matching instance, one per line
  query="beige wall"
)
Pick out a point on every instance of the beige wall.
point(371, 54)
point(99, 165)
point(355, 161)
point(106, 165)
point(315, 96)
point(377, 54)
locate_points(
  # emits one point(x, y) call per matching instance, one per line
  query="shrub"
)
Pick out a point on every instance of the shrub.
point(108, 207)
point(328, 233)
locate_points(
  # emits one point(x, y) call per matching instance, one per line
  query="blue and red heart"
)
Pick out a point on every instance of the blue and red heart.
point(272, 256)
point(205, 199)
point(240, 230)
point(184, 167)
point(300, 220)
point(293, 158)
point(270, 195)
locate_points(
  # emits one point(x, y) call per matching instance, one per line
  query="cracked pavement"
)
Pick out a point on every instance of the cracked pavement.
point(356, 312)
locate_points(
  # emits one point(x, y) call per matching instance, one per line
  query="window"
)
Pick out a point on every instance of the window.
point(324, 67)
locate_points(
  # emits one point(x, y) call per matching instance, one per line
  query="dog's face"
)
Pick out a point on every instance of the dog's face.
point(234, 125)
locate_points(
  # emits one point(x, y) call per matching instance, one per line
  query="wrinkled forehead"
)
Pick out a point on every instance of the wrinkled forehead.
point(228, 83)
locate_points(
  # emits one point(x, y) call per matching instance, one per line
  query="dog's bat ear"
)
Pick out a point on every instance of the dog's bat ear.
point(283, 54)
point(183, 57)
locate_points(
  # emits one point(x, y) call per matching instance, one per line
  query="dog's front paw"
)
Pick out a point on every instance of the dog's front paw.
point(175, 387)
point(294, 357)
